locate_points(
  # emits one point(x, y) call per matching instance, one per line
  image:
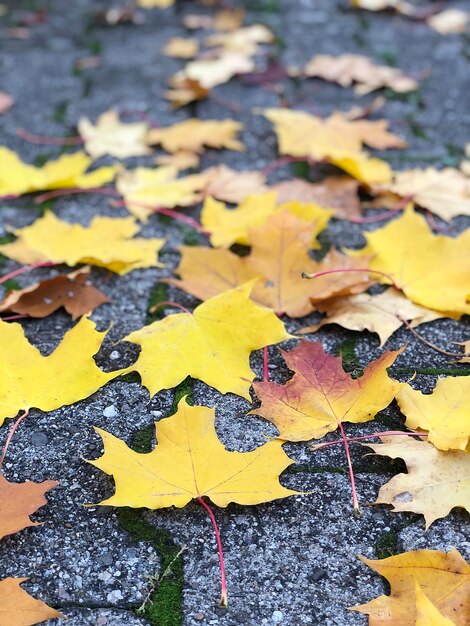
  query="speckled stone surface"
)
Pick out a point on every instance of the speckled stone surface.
point(292, 562)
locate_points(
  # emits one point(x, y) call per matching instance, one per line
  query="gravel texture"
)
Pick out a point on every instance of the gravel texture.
point(292, 562)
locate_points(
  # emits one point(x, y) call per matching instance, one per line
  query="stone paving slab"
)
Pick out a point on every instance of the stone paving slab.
point(291, 562)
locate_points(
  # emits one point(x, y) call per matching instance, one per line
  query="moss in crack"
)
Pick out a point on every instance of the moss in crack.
point(163, 604)
point(158, 293)
point(388, 543)
point(11, 285)
point(5, 239)
point(347, 350)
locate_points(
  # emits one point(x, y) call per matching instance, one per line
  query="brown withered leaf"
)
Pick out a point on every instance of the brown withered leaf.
point(181, 48)
point(337, 193)
point(6, 101)
point(18, 501)
point(18, 608)
point(229, 185)
point(348, 69)
point(71, 291)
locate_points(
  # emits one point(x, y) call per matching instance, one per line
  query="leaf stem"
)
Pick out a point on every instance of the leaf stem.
point(395, 433)
point(24, 270)
point(59, 193)
point(428, 343)
point(341, 270)
point(344, 439)
point(169, 303)
point(223, 602)
point(50, 141)
point(10, 435)
point(265, 364)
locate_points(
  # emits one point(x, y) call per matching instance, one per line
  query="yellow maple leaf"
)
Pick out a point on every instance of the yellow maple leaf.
point(212, 344)
point(436, 482)
point(450, 21)
point(146, 189)
point(443, 578)
point(431, 270)
point(30, 380)
point(158, 4)
point(365, 169)
point(444, 192)
point(382, 314)
point(321, 394)
point(69, 170)
point(209, 73)
point(110, 136)
point(445, 413)
point(181, 47)
point(427, 614)
point(228, 226)
point(18, 608)
point(193, 134)
point(106, 242)
point(190, 462)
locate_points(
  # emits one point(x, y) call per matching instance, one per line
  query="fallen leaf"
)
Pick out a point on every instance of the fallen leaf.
point(444, 578)
point(209, 73)
point(73, 292)
point(212, 344)
point(233, 186)
point(321, 394)
point(436, 482)
point(180, 160)
point(382, 314)
point(206, 272)
point(401, 6)
point(444, 413)
point(450, 22)
point(224, 20)
point(193, 134)
point(348, 69)
point(444, 192)
point(228, 226)
point(110, 136)
point(368, 170)
point(158, 4)
point(17, 178)
point(106, 242)
point(18, 501)
point(181, 47)
point(6, 101)
point(335, 193)
point(18, 608)
point(245, 41)
point(466, 351)
point(49, 382)
point(427, 613)
point(145, 189)
point(190, 462)
point(184, 90)
point(430, 269)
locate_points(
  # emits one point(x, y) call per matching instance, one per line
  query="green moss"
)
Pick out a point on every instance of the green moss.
point(133, 377)
point(190, 235)
point(163, 605)
point(185, 388)
point(351, 364)
point(5, 239)
point(158, 293)
point(11, 285)
point(301, 170)
point(388, 543)
point(313, 469)
point(60, 112)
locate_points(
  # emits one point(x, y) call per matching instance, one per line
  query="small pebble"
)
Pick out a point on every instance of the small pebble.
point(110, 411)
point(156, 413)
point(114, 355)
point(114, 596)
point(39, 439)
point(277, 617)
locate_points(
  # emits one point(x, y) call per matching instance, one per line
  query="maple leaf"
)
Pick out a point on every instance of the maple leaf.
point(444, 192)
point(72, 291)
point(190, 462)
point(180, 160)
point(49, 382)
point(444, 413)
point(184, 90)
point(110, 136)
point(335, 193)
point(212, 344)
point(18, 501)
point(436, 481)
point(209, 73)
point(6, 102)
point(193, 134)
point(229, 226)
point(321, 394)
point(181, 47)
point(443, 577)
point(426, 612)
point(401, 6)
point(449, 22)
point(152, 4)
point(69, 170)
point(367, 170)
point(146, 189)
point(106, 242)
point(431, 270)
point(382, 314)
point(279, 254)
point(233, 186)
point(301, 134)
point(348, 69)
point(18, 608)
